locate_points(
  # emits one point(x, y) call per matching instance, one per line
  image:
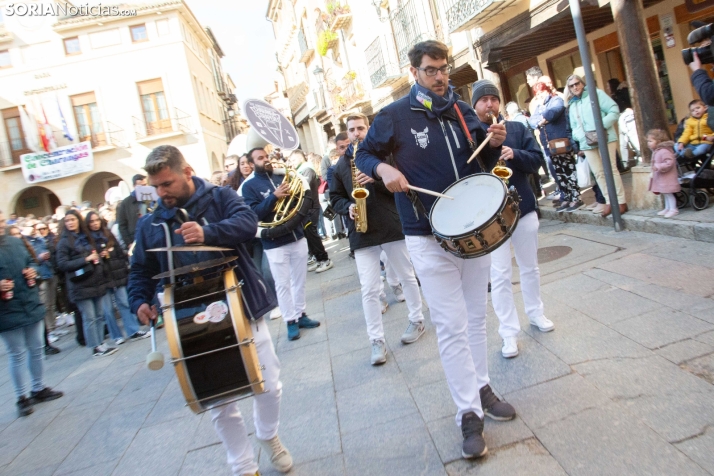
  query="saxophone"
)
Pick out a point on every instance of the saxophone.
point(359, 194)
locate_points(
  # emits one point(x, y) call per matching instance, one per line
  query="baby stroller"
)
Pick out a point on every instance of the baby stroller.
point(697, 180)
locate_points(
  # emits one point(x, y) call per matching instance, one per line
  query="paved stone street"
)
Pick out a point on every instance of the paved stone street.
point(622, 386)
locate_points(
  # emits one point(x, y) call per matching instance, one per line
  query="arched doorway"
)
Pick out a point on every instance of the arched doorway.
point(39, 201)
point(97, 185)
point(215, 165)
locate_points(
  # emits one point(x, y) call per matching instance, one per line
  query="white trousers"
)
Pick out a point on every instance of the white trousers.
point(392, 278)
point(288, 264)
point(525, 244)
point(367, 260)
point(228, 421)
point(456, 292)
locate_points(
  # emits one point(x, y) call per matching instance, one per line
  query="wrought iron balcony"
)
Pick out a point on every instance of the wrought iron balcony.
point(410, 26)
point(158, 123)
point(382, 70)
point(464, 14)
point(306, 51)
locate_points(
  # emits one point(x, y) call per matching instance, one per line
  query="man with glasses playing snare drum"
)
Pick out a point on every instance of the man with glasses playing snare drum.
point(217, 217)
point(423, 132)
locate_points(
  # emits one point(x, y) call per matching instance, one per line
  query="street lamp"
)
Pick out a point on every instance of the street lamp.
point(319, 74)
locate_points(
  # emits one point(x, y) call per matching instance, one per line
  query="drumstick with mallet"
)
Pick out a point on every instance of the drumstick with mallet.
point(494, 119)
point(429, 192)
point(155, 360)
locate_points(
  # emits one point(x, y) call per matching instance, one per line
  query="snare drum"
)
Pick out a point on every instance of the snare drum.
point(479, 219)
point(211, 342)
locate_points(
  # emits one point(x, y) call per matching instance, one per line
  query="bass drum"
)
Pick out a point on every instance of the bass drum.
point(481, 217)
point(211, 342)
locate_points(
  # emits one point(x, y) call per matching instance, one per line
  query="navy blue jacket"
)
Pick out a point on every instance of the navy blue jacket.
point(430, 151)
point(558, 127)
point(526, 160)
point(704, 86)
point(227, 222)
point(259, 196)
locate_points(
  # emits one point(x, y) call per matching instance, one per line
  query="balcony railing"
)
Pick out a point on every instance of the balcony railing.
point(145, 127)
point(410, 26)
point(463, 14)
point(349, 95)
point(306, 51)
point(379, 65)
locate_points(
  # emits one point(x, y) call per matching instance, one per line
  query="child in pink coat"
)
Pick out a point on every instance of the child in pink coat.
point(665, 179)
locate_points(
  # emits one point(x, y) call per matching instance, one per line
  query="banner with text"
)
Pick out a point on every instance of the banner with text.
point(64, 161)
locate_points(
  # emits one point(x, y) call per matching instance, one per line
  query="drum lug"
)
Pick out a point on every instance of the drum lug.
point(481, 240)
point(502, 222)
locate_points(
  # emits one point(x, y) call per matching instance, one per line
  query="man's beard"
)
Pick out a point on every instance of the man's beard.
point(266, 169)
point(179, 200)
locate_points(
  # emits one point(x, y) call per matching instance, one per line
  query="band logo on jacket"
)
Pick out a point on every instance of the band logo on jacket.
point(266, 194)
point(422, 139)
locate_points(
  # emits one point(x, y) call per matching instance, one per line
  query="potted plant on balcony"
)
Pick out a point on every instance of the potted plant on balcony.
point(325, 40)
point(339, 14)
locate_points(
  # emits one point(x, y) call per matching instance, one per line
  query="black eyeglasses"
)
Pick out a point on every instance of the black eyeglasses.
point(431, 71)
point(574, 84)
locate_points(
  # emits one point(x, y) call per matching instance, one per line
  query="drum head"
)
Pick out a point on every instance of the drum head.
point(477, 199)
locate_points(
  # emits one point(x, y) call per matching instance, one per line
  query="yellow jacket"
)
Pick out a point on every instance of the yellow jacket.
point(695, 129)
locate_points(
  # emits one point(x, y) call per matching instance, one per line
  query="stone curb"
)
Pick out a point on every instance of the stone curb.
point(690, 230)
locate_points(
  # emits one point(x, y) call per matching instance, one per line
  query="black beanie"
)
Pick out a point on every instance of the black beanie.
point(483, 87)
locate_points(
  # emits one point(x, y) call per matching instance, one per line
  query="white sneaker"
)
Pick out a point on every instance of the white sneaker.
point(399, 293)
point(543, 324)
point(379, 352)
point(276, 314)
point(510, 347)
point(312, 266)
point(51, 338)
point(279, 455)
point(120, 341)
point(324, 266)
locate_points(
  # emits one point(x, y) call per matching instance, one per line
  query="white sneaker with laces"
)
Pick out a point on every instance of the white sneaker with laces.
point(379, 352)
point(120, 341)
point(542, 323)
point(312, 266)
point(324, 266)
point(279, 455)
point(510, 347)
point(276, 314)
point(413, 332)
point(399, 293)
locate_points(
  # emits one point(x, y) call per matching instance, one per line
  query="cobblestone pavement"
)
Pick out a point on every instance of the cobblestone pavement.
point(623, 386)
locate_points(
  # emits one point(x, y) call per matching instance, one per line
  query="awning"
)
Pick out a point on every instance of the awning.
point(532, 33)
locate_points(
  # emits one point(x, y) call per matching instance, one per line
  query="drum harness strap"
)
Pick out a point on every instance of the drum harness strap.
point(465, 129)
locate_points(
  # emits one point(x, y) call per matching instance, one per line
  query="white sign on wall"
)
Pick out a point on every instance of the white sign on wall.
point(64, 161)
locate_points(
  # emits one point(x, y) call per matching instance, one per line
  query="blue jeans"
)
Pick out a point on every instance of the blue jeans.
point(131, 323)
point(697, 150)
point(18, 342)
point(92, 312)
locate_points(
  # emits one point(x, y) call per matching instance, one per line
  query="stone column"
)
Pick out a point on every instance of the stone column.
point(641, 70)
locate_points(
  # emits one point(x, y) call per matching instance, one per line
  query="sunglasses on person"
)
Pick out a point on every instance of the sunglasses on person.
point(574, 84)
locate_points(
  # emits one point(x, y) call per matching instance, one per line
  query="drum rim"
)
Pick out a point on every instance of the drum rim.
point(470, 233)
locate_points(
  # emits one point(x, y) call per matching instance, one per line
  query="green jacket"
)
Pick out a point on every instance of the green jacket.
point(25, 307)
point(581, 116)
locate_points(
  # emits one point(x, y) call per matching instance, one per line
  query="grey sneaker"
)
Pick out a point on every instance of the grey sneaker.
point(413, 332)
point(472, 430)
point(379, 352)
point(279, 455)
point(399, 293)
point(323, 266)
point(494, 408)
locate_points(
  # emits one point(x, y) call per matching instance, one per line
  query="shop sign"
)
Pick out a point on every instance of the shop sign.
point(64, 161)
point(667, 23)
point(696, 5)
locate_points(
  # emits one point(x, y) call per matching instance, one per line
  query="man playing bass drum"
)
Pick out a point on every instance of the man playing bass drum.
point(383, 233)
point(424, 134)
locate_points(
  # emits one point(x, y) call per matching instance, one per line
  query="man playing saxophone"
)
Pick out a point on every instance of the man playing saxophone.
point(378, 215)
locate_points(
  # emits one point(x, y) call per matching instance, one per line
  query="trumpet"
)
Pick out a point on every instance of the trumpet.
point(359, 194)
point(501, 170)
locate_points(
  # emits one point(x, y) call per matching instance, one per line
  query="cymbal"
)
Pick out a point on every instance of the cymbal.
point(192, 268)
point(192, 248)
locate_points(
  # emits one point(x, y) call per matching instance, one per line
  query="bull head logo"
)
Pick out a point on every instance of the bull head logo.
point(422, 139)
